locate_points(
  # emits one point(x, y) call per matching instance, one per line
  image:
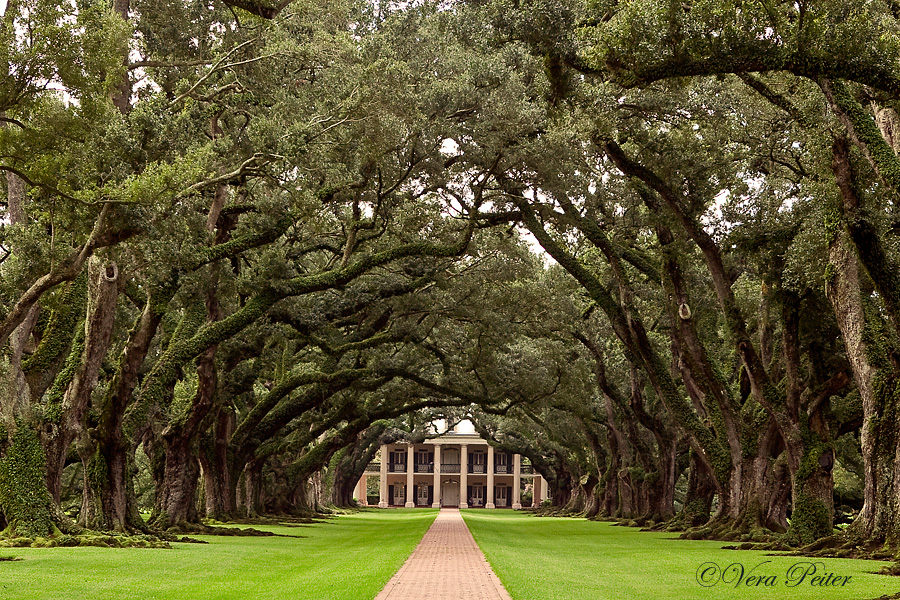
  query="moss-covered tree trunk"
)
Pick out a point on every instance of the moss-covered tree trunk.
point(868, 338)
point(350, 464)
point(70, 396)
point(609, 504)
point(561, 485)
point(701, 487)
point(104, 449)
point(24, 499)
point(108, 502)
point(342, 490)
point(592, 491)
point(218, 486)
point(253, 495)
point(879, 519)
point(768, 485)
point(176, 497)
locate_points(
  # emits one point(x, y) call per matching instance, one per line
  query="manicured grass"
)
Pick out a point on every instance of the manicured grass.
point(350, 557)
point(574, 559)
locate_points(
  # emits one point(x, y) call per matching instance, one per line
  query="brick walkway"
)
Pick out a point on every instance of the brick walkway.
point(446, 565)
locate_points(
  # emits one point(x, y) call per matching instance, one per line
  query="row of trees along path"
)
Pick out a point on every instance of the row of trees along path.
point(652, 247)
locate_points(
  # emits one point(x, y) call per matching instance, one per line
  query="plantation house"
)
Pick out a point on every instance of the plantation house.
point(457, 468)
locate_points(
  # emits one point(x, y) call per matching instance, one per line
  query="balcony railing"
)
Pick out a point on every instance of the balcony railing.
point(375, 467)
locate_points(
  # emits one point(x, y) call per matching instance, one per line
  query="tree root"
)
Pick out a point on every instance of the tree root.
point(226, 528)
point(279, 520)
point(87, 539)
point(203, 529)
point(758, 538)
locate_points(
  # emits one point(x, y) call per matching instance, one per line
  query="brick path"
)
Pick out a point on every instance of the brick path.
point(446, 565)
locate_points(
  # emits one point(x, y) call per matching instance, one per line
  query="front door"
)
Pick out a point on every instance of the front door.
point(477, 495)
point(450, 493)
point(501, 496)
point(422, 494)
point(399, 495)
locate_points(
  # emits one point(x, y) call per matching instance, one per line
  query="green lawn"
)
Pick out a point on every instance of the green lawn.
point(574, 559)
point(350, 557)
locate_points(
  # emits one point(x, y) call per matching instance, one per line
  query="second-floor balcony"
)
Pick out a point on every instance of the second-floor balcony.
point(475, 469)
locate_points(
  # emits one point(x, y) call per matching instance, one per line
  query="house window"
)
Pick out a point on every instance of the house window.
point(424, 461)
point(398, 461)
point(501, 464)
point(477, 462)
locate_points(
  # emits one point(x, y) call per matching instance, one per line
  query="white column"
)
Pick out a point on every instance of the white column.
point(490, 478)
point(382, 482)
point(517, 482)
point(545, 493)
point(536, 491)
point(437, 477)
point(410, 473)
point(361, 490)
point(463, 475)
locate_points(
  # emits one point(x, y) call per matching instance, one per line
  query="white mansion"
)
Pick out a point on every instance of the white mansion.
point(454, 469)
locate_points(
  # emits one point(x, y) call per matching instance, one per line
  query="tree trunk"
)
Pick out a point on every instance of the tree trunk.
point(176, 498)
point(769, 484)
point(73, 406)
point(24, 499)
point(345, 479)
point(661, 506)
point(592, 497)
point(560, 487)
point(252, 493)
point(874, 364)
point(104, 450)
point(108, 502)
point(219, 489)
point(700, 491)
